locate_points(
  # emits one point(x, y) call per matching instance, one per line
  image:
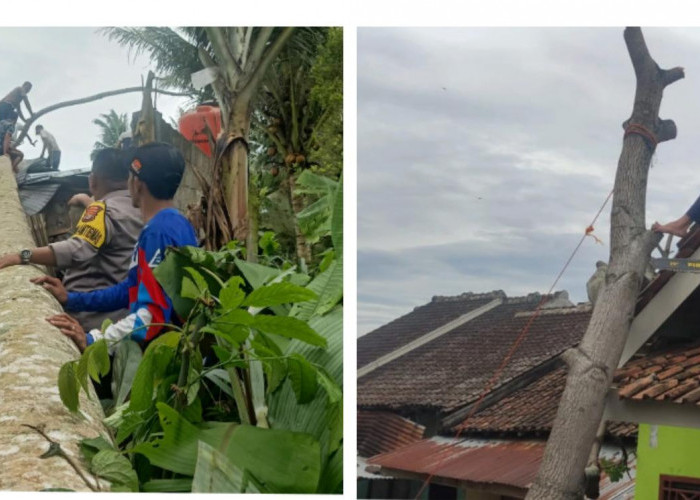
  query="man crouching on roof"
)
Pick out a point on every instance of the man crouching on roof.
point(155, 174)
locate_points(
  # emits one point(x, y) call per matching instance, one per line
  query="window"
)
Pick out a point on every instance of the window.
point(679, 488)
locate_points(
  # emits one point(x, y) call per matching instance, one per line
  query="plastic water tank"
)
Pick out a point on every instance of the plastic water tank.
point(193, 126)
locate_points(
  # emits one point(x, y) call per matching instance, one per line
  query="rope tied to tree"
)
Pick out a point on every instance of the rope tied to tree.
point(639, 129)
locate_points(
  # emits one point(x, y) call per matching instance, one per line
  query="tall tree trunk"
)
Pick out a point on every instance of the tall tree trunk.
point(235, 170)
point(254, 218)
point(592, 364)
point(303, 248)
point(31, 354)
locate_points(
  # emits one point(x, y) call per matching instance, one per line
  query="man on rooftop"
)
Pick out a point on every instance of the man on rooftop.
point(50, 145)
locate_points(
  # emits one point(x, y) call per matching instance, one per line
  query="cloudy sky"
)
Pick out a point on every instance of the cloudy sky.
point(483, 154)
point(72, 63)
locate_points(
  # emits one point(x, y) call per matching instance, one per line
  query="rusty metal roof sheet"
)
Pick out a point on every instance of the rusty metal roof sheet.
point(508, 463)
point(380, 432)
point(512, 464)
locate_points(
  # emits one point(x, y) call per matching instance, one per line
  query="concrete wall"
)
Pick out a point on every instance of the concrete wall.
point(665, 450)
point(31, 354)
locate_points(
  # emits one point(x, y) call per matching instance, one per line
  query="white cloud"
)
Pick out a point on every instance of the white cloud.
point(490, 182)
point(71, 63)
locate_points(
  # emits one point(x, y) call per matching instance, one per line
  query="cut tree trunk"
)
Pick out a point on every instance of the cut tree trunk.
point(31, 354)
point(592, 364)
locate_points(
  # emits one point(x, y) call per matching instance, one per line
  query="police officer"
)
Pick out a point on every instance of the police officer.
point(156, 171)
point(99, 252)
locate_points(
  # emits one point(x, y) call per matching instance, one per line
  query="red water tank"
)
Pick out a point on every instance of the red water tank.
point(193, 126)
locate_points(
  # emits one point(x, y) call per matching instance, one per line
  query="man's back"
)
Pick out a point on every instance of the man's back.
point(167, 228)
point(100, 253)
point(49, 141)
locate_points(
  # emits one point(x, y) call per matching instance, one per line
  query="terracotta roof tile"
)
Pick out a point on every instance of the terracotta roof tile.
point(530, 411)
point(453, 369)
point(671, 375)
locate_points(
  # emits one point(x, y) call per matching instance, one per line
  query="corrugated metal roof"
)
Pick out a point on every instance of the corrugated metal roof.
point(379, 432)
point(488, 462)
point(508, 463)
point(24, 178)
point(37, 189)
point(35, 197)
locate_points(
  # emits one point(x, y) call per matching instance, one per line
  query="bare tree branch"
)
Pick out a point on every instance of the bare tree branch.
point(74, 102)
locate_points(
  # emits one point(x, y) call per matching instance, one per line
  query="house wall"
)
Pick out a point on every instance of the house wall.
point(673, 451)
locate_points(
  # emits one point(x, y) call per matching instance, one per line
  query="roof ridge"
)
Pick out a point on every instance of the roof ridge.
point(494, 294)
point(578, 308)
point(533, 297)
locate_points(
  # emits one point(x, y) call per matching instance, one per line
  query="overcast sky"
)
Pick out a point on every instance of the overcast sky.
point(483, 154)
point(72, 63)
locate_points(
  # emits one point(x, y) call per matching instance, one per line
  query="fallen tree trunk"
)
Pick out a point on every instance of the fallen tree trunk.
point(31, 354)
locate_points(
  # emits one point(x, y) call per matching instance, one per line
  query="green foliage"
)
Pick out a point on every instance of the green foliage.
point(68, 386)
point(327, 93)
point(111, 125)
point(115, 468)
point(126, 361)
point(615, 469)
point(244, 396)
point(215, 473)
point(93, 364)
point(315, 220)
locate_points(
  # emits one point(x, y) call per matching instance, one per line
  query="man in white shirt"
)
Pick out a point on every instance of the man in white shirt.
point(50, 146)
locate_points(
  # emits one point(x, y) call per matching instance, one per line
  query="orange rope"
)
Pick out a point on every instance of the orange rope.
point(519, 339)
point(636, 128)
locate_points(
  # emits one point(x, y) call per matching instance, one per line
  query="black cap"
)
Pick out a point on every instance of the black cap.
point(160, 166)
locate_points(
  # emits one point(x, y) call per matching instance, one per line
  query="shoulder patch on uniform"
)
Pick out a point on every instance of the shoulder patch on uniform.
point(91, 226)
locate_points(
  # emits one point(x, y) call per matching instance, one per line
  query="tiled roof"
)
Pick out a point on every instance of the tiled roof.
point(530, 411)
point(669, 375)
point(380, 432)
point(453, 369)
point(417, 323)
